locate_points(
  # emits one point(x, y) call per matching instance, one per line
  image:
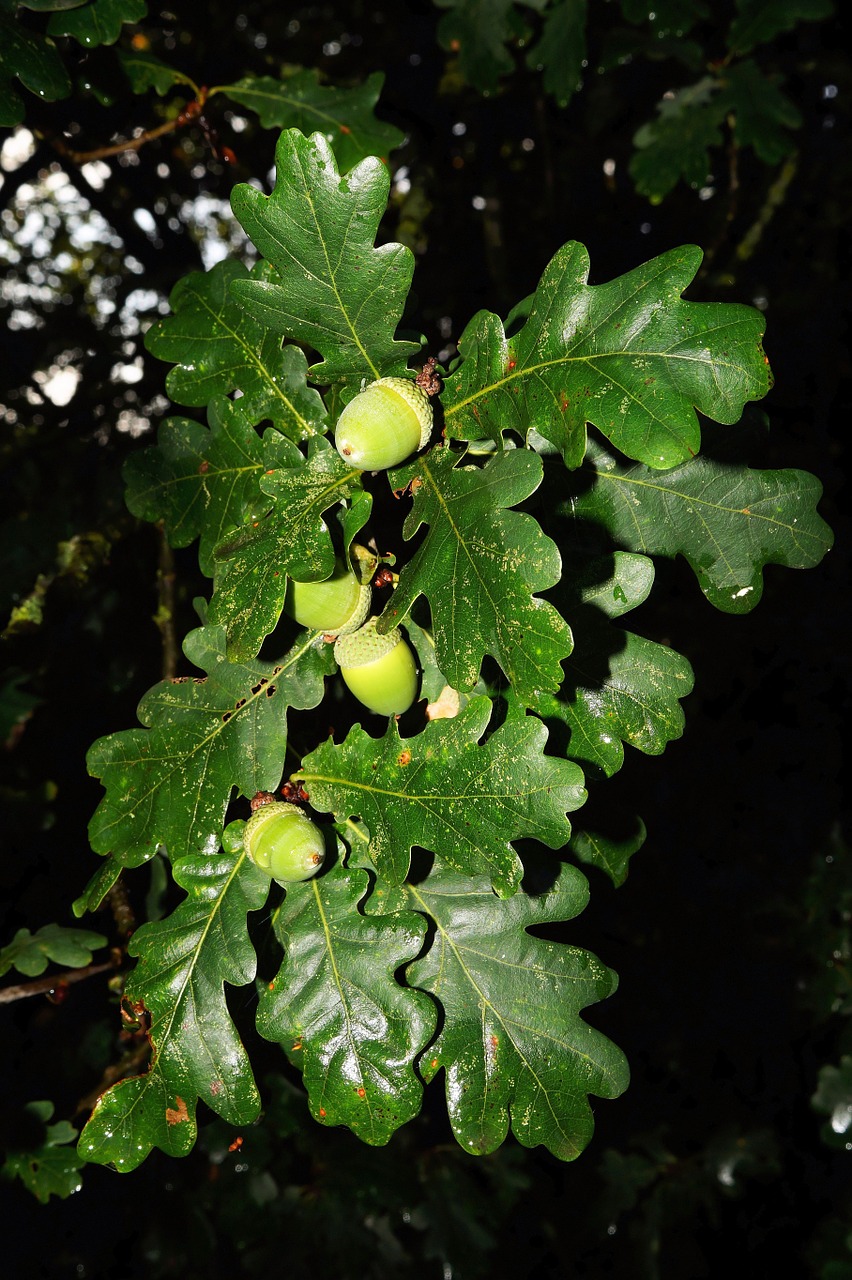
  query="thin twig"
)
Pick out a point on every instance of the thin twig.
point(39, 986)
point(190, 112)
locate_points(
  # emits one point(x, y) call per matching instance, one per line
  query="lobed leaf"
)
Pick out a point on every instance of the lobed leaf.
point(445, 791)
point(219, 348)
point(204, 482)
point(33, 60)
point(144, 71)
point(631, 357)
point(294, 539)
point(512, 1044)
point(759, 21)
point(335, 291)
point(184, 962)
point(611, 854)
point(30, 953)
point(49, 1167)
point(676, 144)
point(763, 115)
point(344, 116)
point(338, 1011)
point(98, 22)
point(170, 782)
point(478, 31)
point(727, 521)
point(479, 565)
point(561, 52)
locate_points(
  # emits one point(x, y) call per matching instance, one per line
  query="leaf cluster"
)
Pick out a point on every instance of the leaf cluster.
point(563, 460)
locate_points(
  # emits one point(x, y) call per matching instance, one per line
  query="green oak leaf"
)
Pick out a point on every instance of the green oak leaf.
point(677, 143)
point(477, 31)
point(144, 72)
point(98, 887)
point(445, 791)
point(336, 291)
point(34, 61)
point(170, 782)
point(479, 565)
point(619, 687)
point(762, 113)
point(204, 481)
point(338, 1011)
point(608, 852)
point(631, 357)
point(759, 21)
point(560, 54)
point(48, 1167)
point(184, 962)
point(345, 116)
point(727, 521)
point(293, 539)
point(98, 22)
point(30, 953)
point(219, 348)
point(512, 1043)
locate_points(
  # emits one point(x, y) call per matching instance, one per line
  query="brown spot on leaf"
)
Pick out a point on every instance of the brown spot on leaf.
point(178, 1114)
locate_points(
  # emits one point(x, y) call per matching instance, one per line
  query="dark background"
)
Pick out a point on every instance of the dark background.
point(731, 932)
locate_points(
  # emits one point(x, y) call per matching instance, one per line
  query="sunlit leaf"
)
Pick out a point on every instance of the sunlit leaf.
point(479, 566)
point(338, 1011)
point(630, 357)
point(252, 566)
point(336, 291)
point(184, 962)
point(512, 1044)
point(447, 791)
point(170, 782)
point(204, 482)
point(219, 348)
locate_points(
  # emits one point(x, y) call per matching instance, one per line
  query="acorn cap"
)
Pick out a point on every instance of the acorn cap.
point(362, 647)
point(416, 400)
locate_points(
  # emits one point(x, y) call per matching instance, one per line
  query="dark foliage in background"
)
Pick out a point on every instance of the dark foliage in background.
point(731, 935)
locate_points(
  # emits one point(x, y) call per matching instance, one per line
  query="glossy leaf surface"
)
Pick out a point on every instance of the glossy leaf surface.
point(513, 1047)
point(169, 783)
point(178, 983)
point(336, 291)
point(631, 357)
point(338, 1011)
point(444, 791)
point(479, 566)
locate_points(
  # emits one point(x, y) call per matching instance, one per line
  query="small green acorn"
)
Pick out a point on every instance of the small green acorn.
point(384, 424)
point(379, 670)
point(284, 843)
point(335, 606)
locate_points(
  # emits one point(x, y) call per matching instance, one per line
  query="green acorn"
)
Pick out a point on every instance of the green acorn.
point(379, 670)
point(384, 424)
point(284, 843)
point(335, 606)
